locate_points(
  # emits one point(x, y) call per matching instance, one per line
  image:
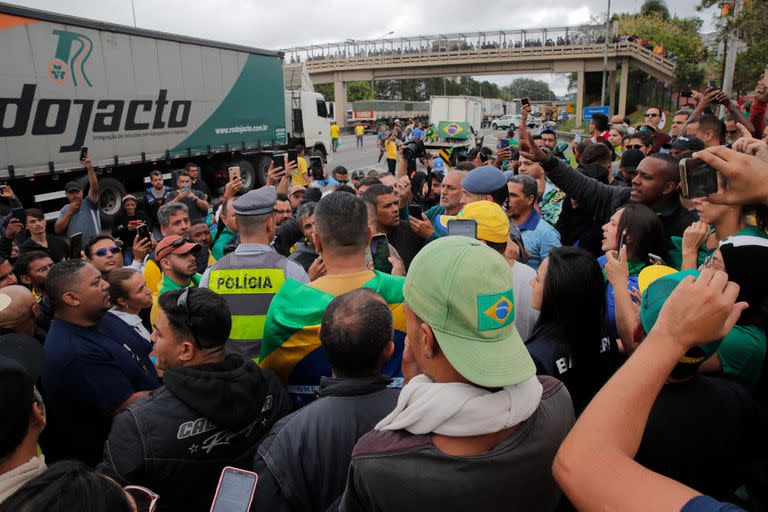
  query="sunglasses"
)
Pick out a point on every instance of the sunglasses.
point(343, 182)
point(146, 500)
point(182, 303)
point(651, 115)
point(635, 146)
point(110, 250)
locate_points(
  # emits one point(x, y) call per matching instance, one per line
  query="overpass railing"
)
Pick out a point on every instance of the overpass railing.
point(432, 57)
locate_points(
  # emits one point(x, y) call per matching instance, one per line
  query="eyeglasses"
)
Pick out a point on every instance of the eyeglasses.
point(635, 146)
point(651, 115)
point(182, 303)
point(146, 500)
point(103, 252)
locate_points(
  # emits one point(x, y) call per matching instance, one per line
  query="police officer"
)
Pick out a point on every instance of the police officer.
point(249, 277)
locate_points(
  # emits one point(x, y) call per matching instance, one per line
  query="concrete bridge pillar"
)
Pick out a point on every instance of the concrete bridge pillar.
point(340, 97)
point(623, 87)
point(579, 97)
point(612, 91)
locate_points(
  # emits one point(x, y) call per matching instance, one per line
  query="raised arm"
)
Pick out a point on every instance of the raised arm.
point(93, 182)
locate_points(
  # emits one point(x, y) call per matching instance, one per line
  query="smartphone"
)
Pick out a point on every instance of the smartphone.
point(380, 253)
point(524, 102)
point(185, 188)
point(316, 167)
point(462, 227)
point(414, 210)
point(235, 490)
point(503, 143)
point(278, 160)
point(655, 260)
point(18, 214)
point(697, 179)
point(75, 246)
point(234, 172)
point(292, 156)
point(83, 153)
point(577, 138)
point(621, 240)
point(143, 231)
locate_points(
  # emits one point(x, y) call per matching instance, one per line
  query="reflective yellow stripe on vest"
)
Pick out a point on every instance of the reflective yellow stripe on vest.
point(246, 281)
point(247, 327)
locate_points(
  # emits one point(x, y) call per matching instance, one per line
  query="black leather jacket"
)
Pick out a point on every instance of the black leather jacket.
point(177, 440)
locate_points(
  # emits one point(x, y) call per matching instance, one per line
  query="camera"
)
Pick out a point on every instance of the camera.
point(414, 149)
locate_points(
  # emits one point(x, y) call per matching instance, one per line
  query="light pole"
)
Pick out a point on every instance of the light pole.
point(605, 53)
point(373, 87)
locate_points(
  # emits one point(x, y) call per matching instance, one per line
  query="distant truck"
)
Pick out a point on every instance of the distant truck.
point(371, 113)
point(492, 108)
point(140, 101)
point(458, 120)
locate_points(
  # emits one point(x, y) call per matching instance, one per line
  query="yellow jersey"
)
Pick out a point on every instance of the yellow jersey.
point(334, 131)
point(391, 147)
point(359, 130)
point(299, 175)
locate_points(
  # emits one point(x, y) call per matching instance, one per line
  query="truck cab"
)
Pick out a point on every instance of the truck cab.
point(308, 115)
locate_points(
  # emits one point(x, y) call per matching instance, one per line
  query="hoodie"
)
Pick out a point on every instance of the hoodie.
point(205, 417)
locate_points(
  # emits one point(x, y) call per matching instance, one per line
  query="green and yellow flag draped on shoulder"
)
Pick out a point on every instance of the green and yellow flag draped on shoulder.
point(291, 346)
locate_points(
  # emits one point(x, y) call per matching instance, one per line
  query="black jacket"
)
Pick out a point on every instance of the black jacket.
point(302, 463)
point(177, 440)
point(604, 199)
point(304, 254)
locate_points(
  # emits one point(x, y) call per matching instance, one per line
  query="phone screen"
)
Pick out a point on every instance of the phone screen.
point(75, 246)
point(278, 160)
point(697, 179)
point(503, 143)
point(380, 253)
point(18, 213)
point(292, 155)
point(462, 227)
point(414, 210)
point(235, 490)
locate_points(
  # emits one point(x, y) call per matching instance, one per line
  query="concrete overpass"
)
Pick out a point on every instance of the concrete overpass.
point(496, 53)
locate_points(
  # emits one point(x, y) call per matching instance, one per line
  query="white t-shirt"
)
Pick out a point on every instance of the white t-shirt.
point(525, 316)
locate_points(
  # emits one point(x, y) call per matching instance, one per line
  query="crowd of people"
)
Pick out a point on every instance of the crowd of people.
point(592, 339)
point(455, 45)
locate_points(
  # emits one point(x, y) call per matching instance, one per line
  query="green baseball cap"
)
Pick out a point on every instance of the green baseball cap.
point(463, 290)
point(654, 297)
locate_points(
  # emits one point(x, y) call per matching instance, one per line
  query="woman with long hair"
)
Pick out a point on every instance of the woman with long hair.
point(638, 228)
point(569, 342)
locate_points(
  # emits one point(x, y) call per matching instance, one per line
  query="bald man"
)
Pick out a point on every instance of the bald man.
point(19, 312)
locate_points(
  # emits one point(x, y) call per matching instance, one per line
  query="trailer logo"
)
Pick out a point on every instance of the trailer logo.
point(67, 63)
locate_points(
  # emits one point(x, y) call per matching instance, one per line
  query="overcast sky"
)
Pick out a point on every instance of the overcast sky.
point(280, 24)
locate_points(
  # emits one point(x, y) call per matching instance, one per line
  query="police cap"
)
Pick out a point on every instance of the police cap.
point(256, 202)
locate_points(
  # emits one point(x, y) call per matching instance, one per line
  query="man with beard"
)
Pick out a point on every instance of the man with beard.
point(94, 366)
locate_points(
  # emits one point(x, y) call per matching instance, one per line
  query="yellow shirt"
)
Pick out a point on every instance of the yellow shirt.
point(391, 146)
point(342, 283)
point(299, 176)
point(334, 131)
point(359, 130)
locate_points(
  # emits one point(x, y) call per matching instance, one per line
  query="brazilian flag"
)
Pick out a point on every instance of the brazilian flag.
point(291, 346)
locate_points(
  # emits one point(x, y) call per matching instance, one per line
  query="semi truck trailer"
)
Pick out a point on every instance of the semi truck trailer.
point(139, 101)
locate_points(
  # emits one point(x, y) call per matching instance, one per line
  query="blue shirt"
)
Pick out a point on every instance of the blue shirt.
point(539, 238)
point(707, 504)
point(89, 372)
point(85, 220)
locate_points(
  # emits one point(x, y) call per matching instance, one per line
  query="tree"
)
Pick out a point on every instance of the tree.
point(536, 90)
point(655, 7)
point(359, 91)
point(326, 90)
point(749, 25)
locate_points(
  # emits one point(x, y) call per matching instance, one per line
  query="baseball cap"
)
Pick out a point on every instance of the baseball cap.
point(492, 223)
point(175, 244)
point(484, 180)
point(654, 297)
point(475, 328)
point(643, 127)
point(357, 175)
point(298, 188)
point(72, 186)
point(685, 143)
point(630, 159)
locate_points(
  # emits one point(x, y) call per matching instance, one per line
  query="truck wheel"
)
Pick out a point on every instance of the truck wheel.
point(111, 193)
point(249, 175)
point(260, 173)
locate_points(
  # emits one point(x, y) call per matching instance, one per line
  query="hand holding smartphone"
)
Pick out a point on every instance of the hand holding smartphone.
point(697, 179)
point(234, 172)
point(235, 490)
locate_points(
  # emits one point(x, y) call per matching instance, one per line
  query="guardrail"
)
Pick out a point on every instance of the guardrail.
point(622, 49)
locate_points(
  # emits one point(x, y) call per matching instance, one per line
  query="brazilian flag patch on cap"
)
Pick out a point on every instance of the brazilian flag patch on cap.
point(495, 311)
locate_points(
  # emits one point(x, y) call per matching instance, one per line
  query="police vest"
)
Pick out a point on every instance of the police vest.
point(248, 283)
